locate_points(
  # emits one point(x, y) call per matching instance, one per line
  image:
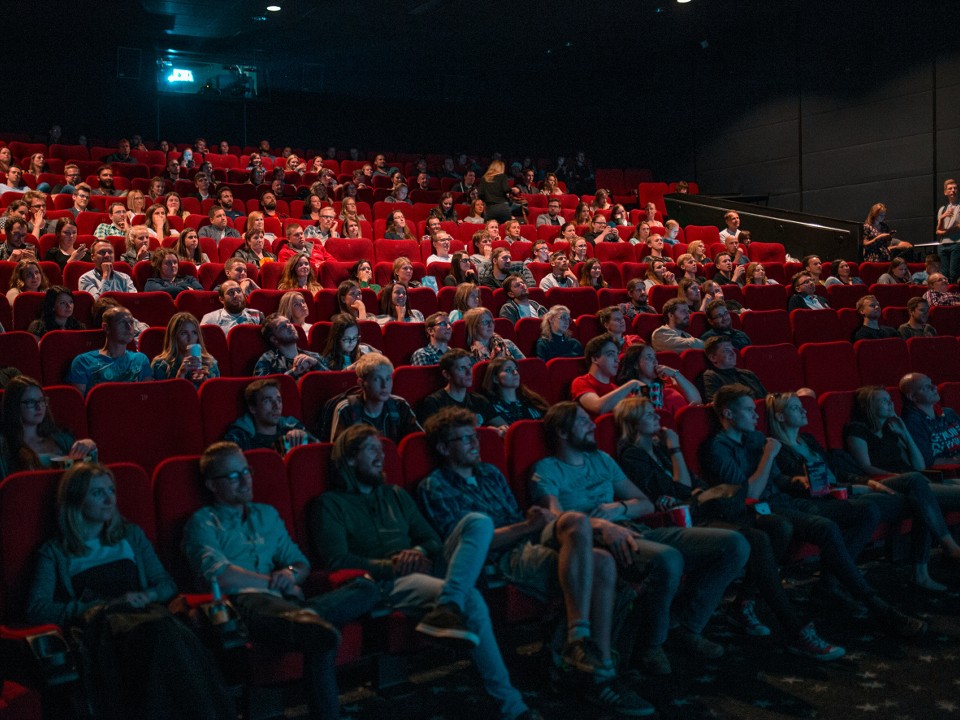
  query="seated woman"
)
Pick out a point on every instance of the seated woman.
point(166, 274)
point(651, 458)
point(582, 214)
point(841, 274)
point(403, 273)
point(397, 227)
point(568, 232)
point(466, 298)
point(897, 274)
point(601, 201)
point(184, 354)
point(29, 437)
point(483, 342)
point(482, 248)
point(351, 230)
point(689, 291)
point(298, 274)
point(461, 270)
point(348, 210)
point(444, 210)
point(343, 346)
point(156, 222)
point(362, 274)
point(699, 251)
point(666, 387)
point(579, 248)
point(511, 399)
point(350, 300)
point(293, 306)
point(66, 249)
point(757, 275)
point(657, 274)
point(641, 234)
point(156, 188)
point(880, 443)
point(188, 247)
point(56, 313)
point(174, 206)
point(26, 277)
point(312, 206)
point(619, 216)
point(477, 210)
point(137, 245)
point(255, 221)
point(555, 340)
point(136, 204)
point(101, 578)
point(393, 305)
point(591, 274)
point(441, 249)
point(551, 186)
point(511, 231)
point(711, 291)
point(252, 250)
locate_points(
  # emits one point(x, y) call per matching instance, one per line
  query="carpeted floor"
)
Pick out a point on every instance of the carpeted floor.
point(880, 677)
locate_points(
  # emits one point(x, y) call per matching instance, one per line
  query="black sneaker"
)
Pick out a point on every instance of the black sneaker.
point(446, 622)
point(810, 645)
point(582, 654)
point(743, 615)
point(612, 695)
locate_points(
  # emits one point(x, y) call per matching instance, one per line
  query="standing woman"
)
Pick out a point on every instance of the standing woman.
point(879, 245)
point(495, 192)
point(177, 359)
point(101, 577)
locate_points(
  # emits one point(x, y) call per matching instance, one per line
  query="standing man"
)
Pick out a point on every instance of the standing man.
point(948, 231)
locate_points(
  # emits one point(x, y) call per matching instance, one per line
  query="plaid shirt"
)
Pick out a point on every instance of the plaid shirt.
point(446, 497)
point(427, 355)
point(274, 363)
point(937, 298)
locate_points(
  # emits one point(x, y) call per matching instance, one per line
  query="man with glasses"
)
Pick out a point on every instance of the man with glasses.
point(552, 216)
point(15, 248)
point(501, 266)
point(721, 325)
point(264, 425)
point(81, 199)
point(438, 329)
point(113, 362)
point(245, 547)
point(118, 222)
point(284, 357)
point(219, 227)
point(71, 178)
point(805, 294)
point(297, 244)
point(104, 278)
point(326, 229)
point(441, 246)
point(105, 184)
point(939, 291)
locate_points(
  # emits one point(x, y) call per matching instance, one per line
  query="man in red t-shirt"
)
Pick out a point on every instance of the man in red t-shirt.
point(596, 391)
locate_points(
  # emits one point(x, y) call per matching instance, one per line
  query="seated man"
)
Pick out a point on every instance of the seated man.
point(439, 329)
point(537, 552)
point(113, 362)
point(552, 216)
point(868, 308)
point(234, 311)
point(673, 335)
point(325, 230)
point(284, 357)
point(297, 244)
point(374, 404)
point(935, 429)
point(103, 278)
point(939, 292)
point(219, 227)
point(722, 355)
point(637, 293)
point(732, 221)
point(736, 245)
point(805, 294)
point(225, 200)
point(122, 155)
point(596, 391)
point(916, 325)
point(739, 455)
point(456, 366)
point(614, 322)
point(560, 273)
point(721, 325)
point(264, 425)
point(728, 273)
point(16, 248)
point(118, 222)
point(404, 555)
point(500, 267)
point(813, 266)
point(519, 305)
point(235, 269)
point(105, 184)
point(578, 476)
point(245, 548)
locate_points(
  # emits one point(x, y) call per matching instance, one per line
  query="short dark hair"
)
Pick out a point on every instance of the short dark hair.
point(805, 260)
point(559, 419)
point(670, 307)
point(268, 327)
point(798, 278)
point(604, 313)
point(716, 260)
point(450, 357)
point(438, 426)
point(347, 445)
point(595, 345)
point(914, 301)
point(714, 304)
point(712, 343)
point(727, 395)
point(214, 454)
point(251, 391)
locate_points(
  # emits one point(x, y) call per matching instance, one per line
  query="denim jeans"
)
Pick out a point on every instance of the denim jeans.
point(710, 558)
point(950, 260)
point(465, 552)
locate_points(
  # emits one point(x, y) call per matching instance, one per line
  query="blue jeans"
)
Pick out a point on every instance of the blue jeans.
point(465, 552)
point(950, 260)
point(711, 559)
point(857, 519)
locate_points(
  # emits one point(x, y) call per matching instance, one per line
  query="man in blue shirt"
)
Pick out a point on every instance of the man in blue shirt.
point(113, 362)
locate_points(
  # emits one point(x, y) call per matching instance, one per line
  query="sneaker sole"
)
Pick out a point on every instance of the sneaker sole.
point(826, 657)
point(463, 638)
point(751, 630)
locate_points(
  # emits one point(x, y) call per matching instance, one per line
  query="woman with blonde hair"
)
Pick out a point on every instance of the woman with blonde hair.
point(467, 297)
point(298, 274)
point(255, 221)
point(551, 186)
point(137, 245)
point(156, 188)
point(699, 251)
point(687, 265)
point(555, 339)
point(136, 204)
point(495, 192)
point(293, 306)
point(483, 342)
point(657, 274)
point(184, 354)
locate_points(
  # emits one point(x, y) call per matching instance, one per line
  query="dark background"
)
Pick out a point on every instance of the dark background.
point(825, 107)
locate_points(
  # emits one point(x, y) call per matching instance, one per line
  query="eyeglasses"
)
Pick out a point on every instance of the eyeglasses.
point(35, 404)
point(329, 217)
point(440, 323)
point(468, 439)
point(235, 476)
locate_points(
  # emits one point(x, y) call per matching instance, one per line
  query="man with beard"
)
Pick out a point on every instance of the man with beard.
point(122, 155)
point(673, 335)
point(219, 226)
point(284, 357)
point(172, 173)
point(721, 325)
point(519, 304)
point(105, 183)
point(264, 425)
point(363, 522)
point(268, 205)
point(225, 200)
point(234, 311)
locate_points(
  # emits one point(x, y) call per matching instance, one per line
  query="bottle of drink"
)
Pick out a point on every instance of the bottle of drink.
point(218, 610)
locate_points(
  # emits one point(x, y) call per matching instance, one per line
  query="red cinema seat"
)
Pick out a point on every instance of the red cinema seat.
point(417, 459)
point(174, 421)
point(528, 332)
point(935, 357)
point(562, 372)
point(525, 443)
point(246, 345)
point(350, 251)
point(307, 478)
point(816, 326)
point(645, 323)
point(835, 410)
point(896, 295)
point(153, 308)
point(20, 350)
point(423, 299)
point(198, 302)
point(829, 366)
point(766, 327)
point(27, 307)
point(400, 340)
point(696, 424)
point(708, 234)
point(845, 296)
point(950, 395)
point(68, 409)
point(389, 250)
point(765, 297)
point(580, 300)
point(316, 388)
point(766, 252)
point(777, 366)
point(946, 319)
point(415, 382)
point(659, 294)
point(58, 348)
point(881, 362)
point(614, 252)
point(222, 402)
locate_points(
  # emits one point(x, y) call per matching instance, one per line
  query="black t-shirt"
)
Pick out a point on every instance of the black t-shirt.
point(885, 451)
point(474, 402)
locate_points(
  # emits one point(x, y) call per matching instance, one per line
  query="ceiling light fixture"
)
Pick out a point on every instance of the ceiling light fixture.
point(273, 8)
point(683, 2)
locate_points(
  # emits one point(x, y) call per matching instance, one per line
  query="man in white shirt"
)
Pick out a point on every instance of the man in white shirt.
point(103, 278)
point(234, 312)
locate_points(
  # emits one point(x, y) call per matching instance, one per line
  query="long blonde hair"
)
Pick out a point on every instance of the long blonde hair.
point(495, 168)
point(170, 354)
point(71, 493)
